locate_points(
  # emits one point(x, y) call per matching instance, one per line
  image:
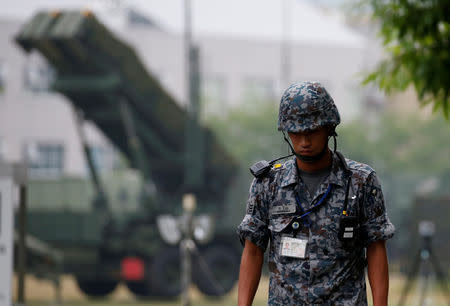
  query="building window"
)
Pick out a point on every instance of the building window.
point(2, 77)
point(38, 74)
point(45, 159)
point(213, 95)
point(256, 90)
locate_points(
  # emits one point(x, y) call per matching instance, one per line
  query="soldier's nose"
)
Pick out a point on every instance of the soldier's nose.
point(305, 141)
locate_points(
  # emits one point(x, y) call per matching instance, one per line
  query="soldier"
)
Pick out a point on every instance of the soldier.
point(324, 215)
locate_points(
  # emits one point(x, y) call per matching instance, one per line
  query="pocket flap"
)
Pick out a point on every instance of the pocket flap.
point(280, 222)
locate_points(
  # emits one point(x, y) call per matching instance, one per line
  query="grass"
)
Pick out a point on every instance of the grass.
point(41, 293)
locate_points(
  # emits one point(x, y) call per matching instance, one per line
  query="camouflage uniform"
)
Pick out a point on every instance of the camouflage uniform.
point(332, 272)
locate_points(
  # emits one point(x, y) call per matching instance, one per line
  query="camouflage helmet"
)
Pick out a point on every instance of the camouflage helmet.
point(306, 106)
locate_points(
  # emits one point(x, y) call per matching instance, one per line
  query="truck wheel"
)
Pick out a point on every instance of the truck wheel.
point(165, 273)
point(96, 288)
point(141, 289)
point(219, 262)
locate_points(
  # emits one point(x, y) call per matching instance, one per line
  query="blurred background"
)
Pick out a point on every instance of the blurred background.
point(118, 108)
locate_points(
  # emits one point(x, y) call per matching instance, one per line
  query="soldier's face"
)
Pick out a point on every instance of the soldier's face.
point(309, 143)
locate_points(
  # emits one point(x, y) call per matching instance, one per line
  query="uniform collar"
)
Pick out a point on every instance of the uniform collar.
point(336, 177)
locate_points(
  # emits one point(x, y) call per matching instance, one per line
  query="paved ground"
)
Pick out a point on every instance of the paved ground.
point(41, 293)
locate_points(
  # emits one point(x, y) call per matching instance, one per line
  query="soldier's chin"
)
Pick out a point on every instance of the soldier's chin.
point(308, 158)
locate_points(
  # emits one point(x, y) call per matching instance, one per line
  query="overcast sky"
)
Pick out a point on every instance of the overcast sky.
point(241, 18)
point(24, 8)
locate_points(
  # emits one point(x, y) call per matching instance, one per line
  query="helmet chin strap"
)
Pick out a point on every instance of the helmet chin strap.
point(335, 141)
point(314, 158)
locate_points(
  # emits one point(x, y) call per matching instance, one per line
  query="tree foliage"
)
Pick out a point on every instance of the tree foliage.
point(399, 144)
point(416, 37)
point(250, 133)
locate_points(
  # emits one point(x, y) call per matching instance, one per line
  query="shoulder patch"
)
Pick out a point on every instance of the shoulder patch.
point(250, 208)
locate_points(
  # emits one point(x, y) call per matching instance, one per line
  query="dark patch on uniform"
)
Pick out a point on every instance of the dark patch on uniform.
point(379, 209)
point(273, 267)
point(250, 208)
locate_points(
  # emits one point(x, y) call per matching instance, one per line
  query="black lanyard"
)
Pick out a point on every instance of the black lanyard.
point(306, 213)
point(349, 181)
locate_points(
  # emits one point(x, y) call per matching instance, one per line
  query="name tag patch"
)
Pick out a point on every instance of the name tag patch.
point(293, 247)
point(283, 209)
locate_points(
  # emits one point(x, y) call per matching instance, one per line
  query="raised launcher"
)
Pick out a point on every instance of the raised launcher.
point(107, 84)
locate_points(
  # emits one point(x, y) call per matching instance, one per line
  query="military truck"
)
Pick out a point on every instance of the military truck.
point(172, 154)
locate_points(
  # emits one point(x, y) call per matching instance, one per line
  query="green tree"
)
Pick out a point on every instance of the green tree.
point(401, 144)
point(249, 132)
point(416, 37)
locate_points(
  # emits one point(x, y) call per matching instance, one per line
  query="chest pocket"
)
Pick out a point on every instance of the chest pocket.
point(280, 216)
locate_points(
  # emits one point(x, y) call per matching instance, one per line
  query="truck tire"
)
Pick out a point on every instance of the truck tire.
point(137, 283)
point(96, 288)
point(142, 289)
point(222, 263)
point(165, 273)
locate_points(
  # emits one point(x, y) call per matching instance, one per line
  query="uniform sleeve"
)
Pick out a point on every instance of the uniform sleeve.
point(376, 224)
point(254, 226)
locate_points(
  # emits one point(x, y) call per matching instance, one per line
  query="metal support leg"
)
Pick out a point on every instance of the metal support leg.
point(134, 141)
point(100, 202)
point(208, 273)
point(186, 247)
point(58, 297)
point(22, 256)
point(136, 148)
point(442, 279)
point(411, 278)
point(186, 276)
point(423, 291)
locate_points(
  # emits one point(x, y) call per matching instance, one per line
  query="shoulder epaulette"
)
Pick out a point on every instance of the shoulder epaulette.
point(277, 166)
